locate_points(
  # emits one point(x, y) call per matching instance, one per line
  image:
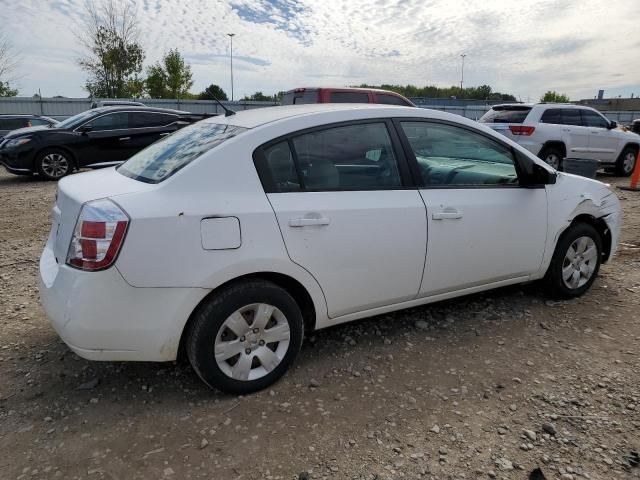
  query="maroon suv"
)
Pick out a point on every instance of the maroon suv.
point(299, 96)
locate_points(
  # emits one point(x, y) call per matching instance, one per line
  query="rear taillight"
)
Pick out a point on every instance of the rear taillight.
point(98, 235)
point(521, 130)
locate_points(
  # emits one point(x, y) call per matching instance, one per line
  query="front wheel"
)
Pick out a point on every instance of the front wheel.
point(53, 164)
point(626, 162)
point(576, 261)
point(245, 337)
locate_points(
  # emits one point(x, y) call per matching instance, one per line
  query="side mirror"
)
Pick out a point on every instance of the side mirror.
point(85, 129)
point(613, 124)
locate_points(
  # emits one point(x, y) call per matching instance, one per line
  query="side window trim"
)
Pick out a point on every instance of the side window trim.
point(413, 161)
point(404, 169)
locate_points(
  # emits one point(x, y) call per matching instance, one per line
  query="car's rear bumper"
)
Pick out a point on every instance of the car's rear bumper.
point(101, 317)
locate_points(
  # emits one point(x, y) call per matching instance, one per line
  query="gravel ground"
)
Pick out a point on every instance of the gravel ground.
point(501, 385)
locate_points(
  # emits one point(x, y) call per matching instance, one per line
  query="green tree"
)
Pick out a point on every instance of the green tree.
point(114, 58)
point(555, 97)
point(211, 92)
point(258, 97)
point(156, 82)
point(179, 76)
point(483, 92)
point(169, 78)
point(8, 63)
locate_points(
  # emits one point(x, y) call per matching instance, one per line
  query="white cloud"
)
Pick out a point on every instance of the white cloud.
point(524, 48)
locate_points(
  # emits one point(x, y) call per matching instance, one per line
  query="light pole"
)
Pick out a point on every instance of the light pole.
point(462, 73)
point(231, 35)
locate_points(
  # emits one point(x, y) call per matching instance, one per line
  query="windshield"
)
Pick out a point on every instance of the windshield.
point(514, 114)
point(76, 120)
point(165, 157)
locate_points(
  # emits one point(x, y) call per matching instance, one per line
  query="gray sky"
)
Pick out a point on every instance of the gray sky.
point(519, 47)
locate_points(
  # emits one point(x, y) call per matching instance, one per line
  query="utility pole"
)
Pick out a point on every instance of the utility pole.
point(462, 73)
point(231, 35)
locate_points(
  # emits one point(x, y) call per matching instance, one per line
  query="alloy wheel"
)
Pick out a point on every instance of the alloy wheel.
point(252, 342)
point(55, 165)
point(629, 162)
point(580, 262)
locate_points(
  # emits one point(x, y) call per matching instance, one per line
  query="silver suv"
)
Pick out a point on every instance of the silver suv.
point(555, 131)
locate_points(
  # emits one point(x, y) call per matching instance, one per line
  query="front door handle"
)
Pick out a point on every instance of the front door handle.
point(165, 134)
point(307, 221)
point(447, 213)
point(122, 139)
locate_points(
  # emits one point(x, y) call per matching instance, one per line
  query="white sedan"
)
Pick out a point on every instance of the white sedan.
point(233, 237)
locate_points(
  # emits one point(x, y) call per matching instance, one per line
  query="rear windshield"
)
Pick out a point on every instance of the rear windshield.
point(515, 114)
point(165, 157)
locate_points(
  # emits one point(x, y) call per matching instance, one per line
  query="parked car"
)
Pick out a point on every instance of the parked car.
point(554, 131)
point(234, 237)
point(116, 103)
point(95, 138)
point(14, 122)
point(344, 95)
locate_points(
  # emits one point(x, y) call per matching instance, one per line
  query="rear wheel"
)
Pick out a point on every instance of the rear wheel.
point(576, 261)
point(553, 156)
point(245, 337)
point(53, 164)
point(626, 162)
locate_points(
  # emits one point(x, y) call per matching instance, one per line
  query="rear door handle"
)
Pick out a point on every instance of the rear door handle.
point(306, 222)
point(447, 213)
point(122, 139)
point(165, 134)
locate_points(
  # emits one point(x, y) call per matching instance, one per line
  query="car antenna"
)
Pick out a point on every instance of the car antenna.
point(227, 111)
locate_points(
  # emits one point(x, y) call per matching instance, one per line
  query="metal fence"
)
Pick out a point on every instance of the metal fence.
point(61, 108)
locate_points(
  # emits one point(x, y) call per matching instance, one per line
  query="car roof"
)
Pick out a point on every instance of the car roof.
point(138, 108)
point(261, 116)
point(349, 89)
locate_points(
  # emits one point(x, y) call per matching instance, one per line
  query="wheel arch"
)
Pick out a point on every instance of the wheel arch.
point(296, 289)
point(634, 145)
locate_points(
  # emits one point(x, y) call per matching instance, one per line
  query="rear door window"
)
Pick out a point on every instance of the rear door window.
point(281, 167)
point(151, 119)
point(571, 116)
point(349, 97)
point(352, 157)
point(515, 114)
point(300, 98)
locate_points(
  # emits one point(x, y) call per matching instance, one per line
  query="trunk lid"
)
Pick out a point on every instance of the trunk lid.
point(501, 117)
point(74, 191)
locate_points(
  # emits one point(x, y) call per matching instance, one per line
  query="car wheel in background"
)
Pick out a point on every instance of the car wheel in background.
point(576, 261)
point(553, 156)
point(626, 162)
point(53, 164)
point(245, 337)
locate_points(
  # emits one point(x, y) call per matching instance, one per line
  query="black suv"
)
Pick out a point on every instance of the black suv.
point(95, 138)
point(13, 122)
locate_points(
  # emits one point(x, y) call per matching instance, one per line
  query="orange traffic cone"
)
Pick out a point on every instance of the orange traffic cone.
point(635, 177)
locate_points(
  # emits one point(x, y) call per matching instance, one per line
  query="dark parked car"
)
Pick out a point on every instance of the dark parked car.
point(95, 138)
point(13, 122)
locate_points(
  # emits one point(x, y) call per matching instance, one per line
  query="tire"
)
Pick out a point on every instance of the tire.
point(561, 278)
point(53, 164)
point(626, 162)
point(553, 156)
point(223, 325)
